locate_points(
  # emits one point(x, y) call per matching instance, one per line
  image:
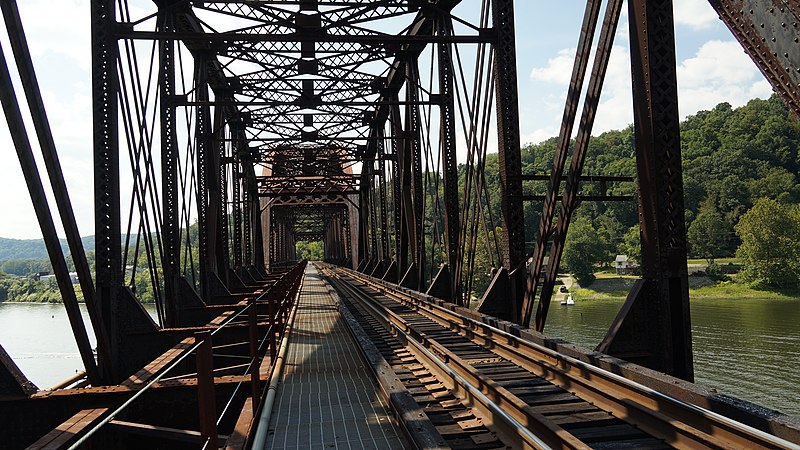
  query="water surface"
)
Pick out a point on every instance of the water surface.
point(40, 341)
point(748, 348)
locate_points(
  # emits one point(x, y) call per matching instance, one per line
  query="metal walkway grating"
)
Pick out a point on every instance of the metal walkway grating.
point(327, 397)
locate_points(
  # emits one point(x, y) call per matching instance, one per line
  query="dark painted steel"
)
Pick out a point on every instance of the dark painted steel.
point(22, 144)
point(654, 327)
point(569, 201)
point(769, 31)
point(206, 174)
point(170, 226)
point(449, 162)
point(47, 145)
point(509, 158)
point(105, 90)
point(585, 41)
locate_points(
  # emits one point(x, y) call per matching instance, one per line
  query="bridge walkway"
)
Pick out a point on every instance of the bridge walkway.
point(327, 397)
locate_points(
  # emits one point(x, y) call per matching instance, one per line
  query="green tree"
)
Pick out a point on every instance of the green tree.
point(312, 251)
point(584, 248)
point(708, 235)
point(631, 245)
point(486, 261)
point(770, 249)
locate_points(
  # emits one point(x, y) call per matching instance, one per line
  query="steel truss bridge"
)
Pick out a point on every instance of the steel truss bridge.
point(227, 131)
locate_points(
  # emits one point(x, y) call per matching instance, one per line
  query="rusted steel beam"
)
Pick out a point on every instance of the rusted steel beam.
point(769, 31)
point(68, 432)
point(166, 434)
point(30, 84)
point(105, 99)
point(252, 325)
point(171, 404)
point(27, 162)
point(206, 406)
point(241, 431)
point(653, 327)
point(569, 199)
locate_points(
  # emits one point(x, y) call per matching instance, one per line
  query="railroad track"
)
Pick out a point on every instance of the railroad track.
point(475, 386)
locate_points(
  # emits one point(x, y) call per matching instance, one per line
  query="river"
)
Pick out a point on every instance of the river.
point(39, 339)
point(748, 348)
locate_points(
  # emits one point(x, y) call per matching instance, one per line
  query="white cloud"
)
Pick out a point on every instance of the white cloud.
point(720, 71)
point(614, 109)
point(696, 14)
point(63, 29)
point(558, 68)
point(59, 45)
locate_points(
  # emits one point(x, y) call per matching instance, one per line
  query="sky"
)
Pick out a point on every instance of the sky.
point(712, 68)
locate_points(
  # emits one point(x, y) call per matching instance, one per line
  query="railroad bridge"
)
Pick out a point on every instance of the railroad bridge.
point(227, 131)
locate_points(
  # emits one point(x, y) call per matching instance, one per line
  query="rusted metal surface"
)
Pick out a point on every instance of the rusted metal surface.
point(164, 398)
point(769, 31)
point(22, 144)
point(666, 421)
point(66, 433)
point(270, 157)
point(569, 200)
point(206, 405)
point(653, 328)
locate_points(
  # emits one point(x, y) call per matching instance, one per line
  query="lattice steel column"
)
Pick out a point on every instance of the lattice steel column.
point(447, 133)
point(105, 89)
point(414, 147)
point(236, 201)
point(504, 297)
point(769, 31)
point(402, 188)
point(203, 146)
point(220, 199)
point(170, 229)
point(384, 211)
point(653, 327)
point(509, 158)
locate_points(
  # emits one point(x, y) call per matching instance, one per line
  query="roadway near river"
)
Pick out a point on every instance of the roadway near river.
point(748, 348)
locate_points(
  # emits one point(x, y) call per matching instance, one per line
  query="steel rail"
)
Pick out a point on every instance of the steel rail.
point(679, 423)
point(452, 369)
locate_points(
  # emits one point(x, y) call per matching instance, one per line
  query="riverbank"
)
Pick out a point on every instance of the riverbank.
point(611, 286)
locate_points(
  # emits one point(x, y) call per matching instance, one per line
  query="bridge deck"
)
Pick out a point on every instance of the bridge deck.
point(327, 397)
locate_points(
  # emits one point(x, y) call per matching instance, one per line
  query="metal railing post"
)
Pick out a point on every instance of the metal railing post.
point(206, 401)
point(272, 328)
point(255, 373)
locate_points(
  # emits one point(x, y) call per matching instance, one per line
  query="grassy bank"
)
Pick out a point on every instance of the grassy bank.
point(612, 286)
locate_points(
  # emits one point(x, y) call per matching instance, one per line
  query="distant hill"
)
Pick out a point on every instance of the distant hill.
point(34, 248)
